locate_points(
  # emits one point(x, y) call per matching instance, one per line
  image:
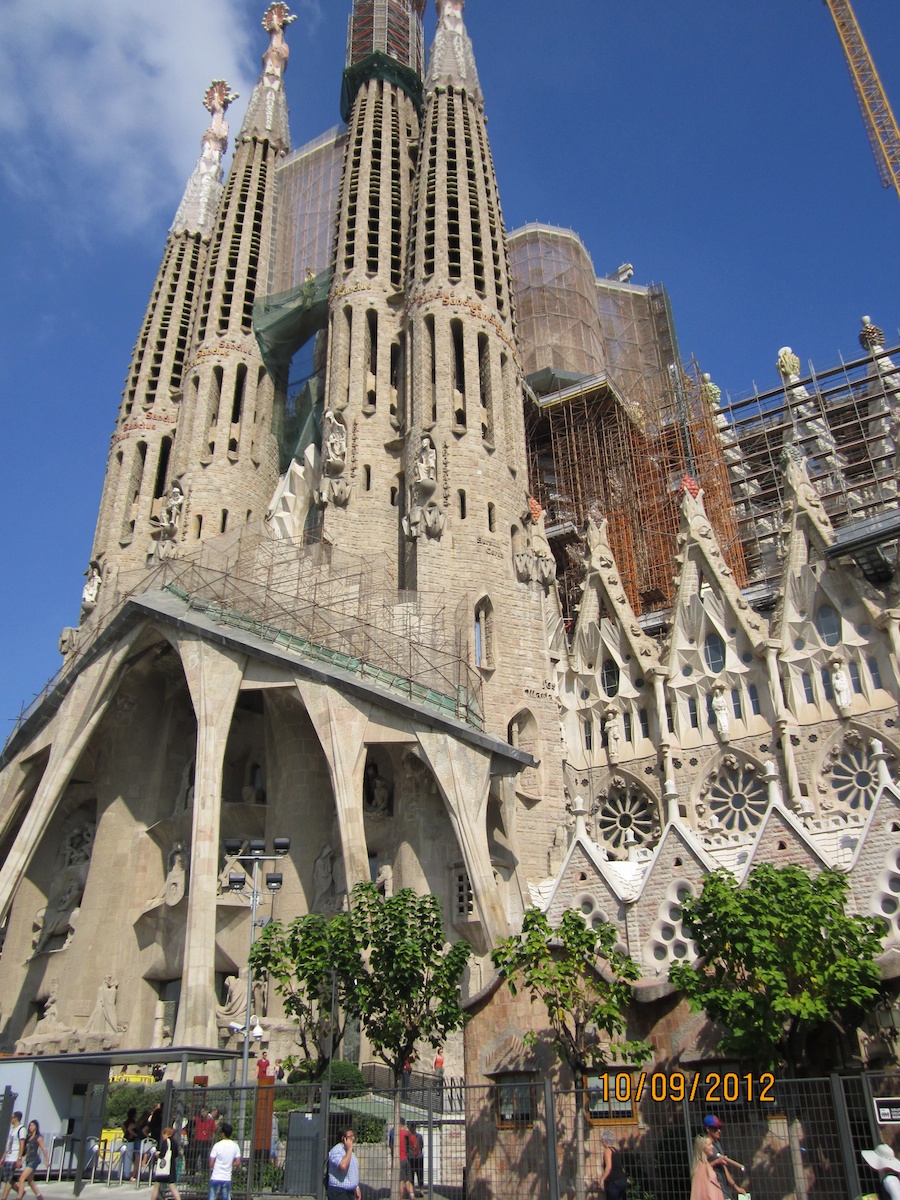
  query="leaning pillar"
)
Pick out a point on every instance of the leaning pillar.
point(214, 678)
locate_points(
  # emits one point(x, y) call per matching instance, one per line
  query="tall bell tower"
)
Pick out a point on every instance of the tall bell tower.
point(362, 441)
point(226, 455)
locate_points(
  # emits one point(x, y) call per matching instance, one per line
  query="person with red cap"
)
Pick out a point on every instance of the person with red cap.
point(720, 1161)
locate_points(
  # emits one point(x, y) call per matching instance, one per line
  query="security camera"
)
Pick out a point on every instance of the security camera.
point(257, 1031)
point(235, 1027)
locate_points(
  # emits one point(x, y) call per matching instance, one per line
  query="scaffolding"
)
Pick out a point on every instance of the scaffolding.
point(308, 182)
point(842, 420)
point(590, 456)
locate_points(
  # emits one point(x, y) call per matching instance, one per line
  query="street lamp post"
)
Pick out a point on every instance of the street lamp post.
point(253, 852)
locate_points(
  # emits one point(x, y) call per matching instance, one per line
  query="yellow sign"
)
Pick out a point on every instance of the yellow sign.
point(131, 1079)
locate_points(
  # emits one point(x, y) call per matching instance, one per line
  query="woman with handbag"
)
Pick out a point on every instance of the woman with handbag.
point(164, 1173)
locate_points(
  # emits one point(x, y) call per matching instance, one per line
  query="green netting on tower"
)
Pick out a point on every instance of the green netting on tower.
point(378, 66)
point(285, 322)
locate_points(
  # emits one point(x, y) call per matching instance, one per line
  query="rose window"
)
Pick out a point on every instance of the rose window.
point(855, 777)
point(738, 799)
point(622, 810)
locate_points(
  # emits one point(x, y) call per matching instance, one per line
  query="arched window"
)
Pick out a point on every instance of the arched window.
point(714, 652)
point(828, 623)
point(484, 634)
point(609, 677)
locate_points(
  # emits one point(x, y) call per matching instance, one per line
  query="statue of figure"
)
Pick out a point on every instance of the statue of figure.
point(720, 712)
point(843, 696)
point(103, 1019)
point(334, 444)
point(788, 365)
point(323, 881)
point(173, 889)
point(68, 641)
point(613, 734)
point(68, 886)
point(384, 880)
point(377, 796)
point(90, 593)
point(425, 470)
point(234, 1008)
point(412, 522)
point(260, 996)
point(170, 518)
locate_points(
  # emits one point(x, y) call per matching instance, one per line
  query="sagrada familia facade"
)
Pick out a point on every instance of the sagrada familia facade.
point(500, 601)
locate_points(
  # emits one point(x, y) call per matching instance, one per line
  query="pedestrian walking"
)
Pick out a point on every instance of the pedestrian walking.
point(343, 1169)
point(165, 1171)
point(613, 1179)
point(14, 1156)
point(223, 1158)
point(32, 1150)
point(712, 1129)
point(704, 1181)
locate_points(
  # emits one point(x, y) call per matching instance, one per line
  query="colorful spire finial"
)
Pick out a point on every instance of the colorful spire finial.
point(197, 210)
point(276, 17)
point(452, 59)
point(871, 337)
point(218, 97)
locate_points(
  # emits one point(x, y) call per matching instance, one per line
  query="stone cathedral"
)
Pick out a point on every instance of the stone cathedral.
point(420, 546)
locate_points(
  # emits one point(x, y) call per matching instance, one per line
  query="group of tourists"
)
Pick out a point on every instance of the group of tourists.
point(160, 1148)
point(24, 1151)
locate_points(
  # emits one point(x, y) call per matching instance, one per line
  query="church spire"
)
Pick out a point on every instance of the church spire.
point(197, 211)
point(452, 58)
point(267, 114)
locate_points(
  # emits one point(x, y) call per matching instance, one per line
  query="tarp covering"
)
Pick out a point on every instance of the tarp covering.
point(285, 322)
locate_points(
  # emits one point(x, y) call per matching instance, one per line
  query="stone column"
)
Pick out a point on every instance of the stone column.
point(80, 713)
point(213, 677)
point(463, 774)
point(782, 718)
point(340, 724)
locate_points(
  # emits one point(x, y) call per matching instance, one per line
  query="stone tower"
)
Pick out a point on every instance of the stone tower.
point(134, 516)
point(226, 457)
point(362, 447)
point(468, 524)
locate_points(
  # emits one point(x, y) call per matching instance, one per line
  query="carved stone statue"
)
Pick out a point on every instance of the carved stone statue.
point(103, 1020)
point(843, 696)
point(720, 712)
point(234, 1009)
point(90, 593)
point(323, 881)
point(173, 889)
point(425, 470)
point(73, 859)
point(377, 795)
point(613, 734)
point(384, 880)
point(788, 365)
point(169, 520)
point(68, 641)
point(334, 444)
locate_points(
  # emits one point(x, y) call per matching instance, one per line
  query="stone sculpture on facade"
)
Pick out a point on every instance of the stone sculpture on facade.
point(103, 1022)
point(720, 712)
point(234, 1008)
point(68, 641)
point(843, 696)
point(323, 882)
point(377, 796)
point(50, 1035)
point(90, 593)
point(54, 923)
point(424, 513)
point(613, 733)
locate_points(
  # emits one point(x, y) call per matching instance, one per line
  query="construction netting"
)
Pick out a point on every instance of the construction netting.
point(389, 27)
point(308, 184)
point(559, 321)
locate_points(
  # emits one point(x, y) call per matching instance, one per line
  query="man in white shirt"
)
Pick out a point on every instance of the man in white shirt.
point(343, 1169)
point(12, 1159)
point(223, 1158)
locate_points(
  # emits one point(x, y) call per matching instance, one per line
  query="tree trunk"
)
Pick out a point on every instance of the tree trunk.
point(580, 1138)
point(395, 1157)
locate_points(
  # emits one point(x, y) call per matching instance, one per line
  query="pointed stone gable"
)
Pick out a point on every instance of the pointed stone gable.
point(783, 842)
point(699, 550)
point(875, 874)
point(679, 860)
point(603, 583)
point(583, 885)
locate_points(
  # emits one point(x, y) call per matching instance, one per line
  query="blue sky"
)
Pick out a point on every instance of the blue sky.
point(716, 146)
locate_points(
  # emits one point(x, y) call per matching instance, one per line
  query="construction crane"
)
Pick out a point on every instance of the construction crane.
point(881, 127)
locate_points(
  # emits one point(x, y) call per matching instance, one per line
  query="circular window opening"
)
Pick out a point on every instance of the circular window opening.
point(679, 950)
point(660, 953)
point(667, 933)
point(587, 906)
point(738, 801)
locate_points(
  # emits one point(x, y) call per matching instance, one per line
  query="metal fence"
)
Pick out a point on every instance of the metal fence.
point(798, 1139)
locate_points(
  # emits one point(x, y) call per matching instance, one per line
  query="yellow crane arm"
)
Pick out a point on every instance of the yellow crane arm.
point(881, 127)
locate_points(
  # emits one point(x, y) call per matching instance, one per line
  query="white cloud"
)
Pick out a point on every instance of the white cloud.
point(102, 99)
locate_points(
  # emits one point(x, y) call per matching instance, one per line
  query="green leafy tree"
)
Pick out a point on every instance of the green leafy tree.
point(298, 959)
point(780, 960)
point(392, 971)
point(584, 983)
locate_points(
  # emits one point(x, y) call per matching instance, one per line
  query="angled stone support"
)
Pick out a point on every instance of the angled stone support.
point(340, 724)
point(79, 715)
point(463, 774)
point(213, 677)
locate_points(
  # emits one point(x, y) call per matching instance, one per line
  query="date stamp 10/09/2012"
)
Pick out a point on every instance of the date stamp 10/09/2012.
point(713, 1087)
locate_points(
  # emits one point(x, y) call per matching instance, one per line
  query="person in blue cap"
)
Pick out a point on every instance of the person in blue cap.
point(720, 1161)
